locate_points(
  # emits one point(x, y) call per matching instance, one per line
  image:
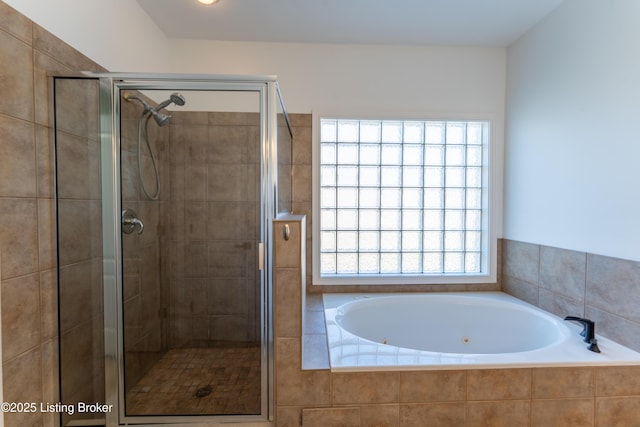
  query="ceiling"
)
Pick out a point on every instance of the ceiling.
point(406, 22)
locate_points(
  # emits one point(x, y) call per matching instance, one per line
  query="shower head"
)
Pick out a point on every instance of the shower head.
point(161, 119)
point(175, 97)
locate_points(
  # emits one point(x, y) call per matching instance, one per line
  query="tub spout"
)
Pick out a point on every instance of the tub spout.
point(588, 332)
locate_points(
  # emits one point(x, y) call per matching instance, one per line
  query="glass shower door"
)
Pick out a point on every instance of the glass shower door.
point(191, 287)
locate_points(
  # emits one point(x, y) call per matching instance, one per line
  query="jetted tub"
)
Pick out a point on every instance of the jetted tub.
point(455, 330)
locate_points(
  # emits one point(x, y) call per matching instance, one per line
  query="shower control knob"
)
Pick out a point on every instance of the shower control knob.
point(130, 221)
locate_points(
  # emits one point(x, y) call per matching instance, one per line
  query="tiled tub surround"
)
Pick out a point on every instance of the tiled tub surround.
point(314, 395)
point(564, 282)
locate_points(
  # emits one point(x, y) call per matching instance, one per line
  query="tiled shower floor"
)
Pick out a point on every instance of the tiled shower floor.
point(170, 386)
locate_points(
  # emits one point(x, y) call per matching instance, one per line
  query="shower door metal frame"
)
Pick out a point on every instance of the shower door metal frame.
point(111, 84)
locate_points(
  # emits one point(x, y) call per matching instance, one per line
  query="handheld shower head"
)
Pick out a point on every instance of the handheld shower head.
point(130, 98)
point(175, 98)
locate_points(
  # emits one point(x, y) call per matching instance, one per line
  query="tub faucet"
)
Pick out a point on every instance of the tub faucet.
point(588, 332)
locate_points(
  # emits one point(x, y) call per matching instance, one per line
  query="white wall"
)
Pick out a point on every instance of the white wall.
point(360, 78)
point(572, 177)
point(116, 34)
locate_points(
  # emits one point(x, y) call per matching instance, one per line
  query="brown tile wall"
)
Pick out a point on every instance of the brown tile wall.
point(27, 212)
point(213, 233)
point(570, 283)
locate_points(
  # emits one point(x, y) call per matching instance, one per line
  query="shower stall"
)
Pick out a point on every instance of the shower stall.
point(166, 188)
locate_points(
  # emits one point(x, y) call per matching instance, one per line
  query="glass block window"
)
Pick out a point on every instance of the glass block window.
point(402, 197)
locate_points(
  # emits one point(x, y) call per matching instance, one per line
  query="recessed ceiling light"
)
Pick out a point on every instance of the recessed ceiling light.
point(208, 1)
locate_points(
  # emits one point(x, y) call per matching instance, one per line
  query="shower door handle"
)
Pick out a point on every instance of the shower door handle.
point(130, 221)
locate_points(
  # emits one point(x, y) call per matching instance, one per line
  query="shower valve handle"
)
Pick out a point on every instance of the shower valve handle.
point(130, 221)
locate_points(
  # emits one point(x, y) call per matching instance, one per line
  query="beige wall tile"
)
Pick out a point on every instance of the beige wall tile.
point(227, 145)
point(299, 120)
point(226, 183)
point(365, 387)
point(17, 158)
point(617, 411)
point(521, 261)
point(72, 167)
point(563, 272)
point(616, 328)
point(302, 137)
point(287, 252)
point(44, 67)
point(15, 23)
point(496, 384)
point(20, 315)
point(560, 305)
point(331, 417)
point(22, 380)
point(563, 382)
point(609, 286)
point(451, 414)
point(295, 387)
point(288, 297)
point(45, 162)
point(505, 413)
point(224, 118)
point(432, 386)
point(302, 183)
point(50, 389)
point(288, 416)
point(77, 363)
point(520, 289)
point(47, 250)
point(48, 304)
point(562, 413)
point(75, 294)
point(74, 230)
point(17, 77)
point(380, 415)
point(196, 183)
point(18, 236)
point(77, 108)
point(49, 44)
point(618, 381)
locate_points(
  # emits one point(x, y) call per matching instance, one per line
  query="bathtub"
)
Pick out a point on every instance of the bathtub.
point(469, 330)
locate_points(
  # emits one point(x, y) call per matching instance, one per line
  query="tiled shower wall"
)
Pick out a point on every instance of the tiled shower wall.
point(27, 212)
point(213, 233)
point(571, 283)
point(144, 283)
